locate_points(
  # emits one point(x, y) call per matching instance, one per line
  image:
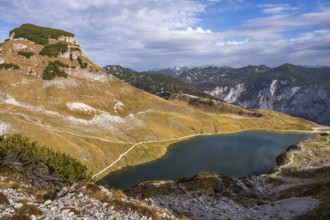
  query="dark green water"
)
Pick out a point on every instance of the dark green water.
point(234, 155)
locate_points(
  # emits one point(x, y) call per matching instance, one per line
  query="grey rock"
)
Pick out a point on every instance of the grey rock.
point(18, 205)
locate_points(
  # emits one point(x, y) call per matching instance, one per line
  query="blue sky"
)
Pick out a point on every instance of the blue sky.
point(147, 34)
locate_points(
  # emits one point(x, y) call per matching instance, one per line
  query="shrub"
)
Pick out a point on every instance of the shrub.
point(53, 70)
point(3, 199)
point(29, 210)
point(9, 66)
point(60, 64)
point(37, 34)
point(26, 54)
point(75, 49)
point(53, 50)
point(82, 65)
point(41, 164)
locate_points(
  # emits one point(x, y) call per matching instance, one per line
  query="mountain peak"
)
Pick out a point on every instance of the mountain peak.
point(46, 53)
point(39, 34)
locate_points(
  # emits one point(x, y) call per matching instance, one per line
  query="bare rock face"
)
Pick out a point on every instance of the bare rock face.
point(71, 40)
point(219, 197)
point(74, 202)
point(295, 90)
point(31, 53)
point(282, 96)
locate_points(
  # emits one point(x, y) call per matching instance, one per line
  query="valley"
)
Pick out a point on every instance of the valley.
point(94, 116)
point(52, 93)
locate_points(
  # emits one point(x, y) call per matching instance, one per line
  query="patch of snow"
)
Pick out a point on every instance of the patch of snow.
point(1, 61)
point(74, 106)
point(4, 128)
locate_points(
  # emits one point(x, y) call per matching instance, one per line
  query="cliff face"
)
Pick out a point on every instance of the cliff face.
point(295, 90)
point(283, 96)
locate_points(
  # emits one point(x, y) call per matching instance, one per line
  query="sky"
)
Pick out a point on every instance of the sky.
point(151, 34)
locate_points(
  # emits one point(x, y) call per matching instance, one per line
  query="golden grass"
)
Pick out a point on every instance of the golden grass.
point(97, 146)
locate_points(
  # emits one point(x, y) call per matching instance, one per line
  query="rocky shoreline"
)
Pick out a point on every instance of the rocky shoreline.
point(290, 191)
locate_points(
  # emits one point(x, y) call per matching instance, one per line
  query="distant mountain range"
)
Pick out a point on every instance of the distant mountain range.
point(155, 83)
point(52, 93)
point(175, 71)
point(296, 90)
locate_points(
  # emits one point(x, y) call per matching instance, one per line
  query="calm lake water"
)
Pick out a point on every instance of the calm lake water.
point(234, 155)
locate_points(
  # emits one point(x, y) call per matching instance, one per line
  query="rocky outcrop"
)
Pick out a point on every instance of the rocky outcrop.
point(282, 96)
point(210, 196)
point(295, 90)
point(85, 201)
point(49, 45)
point(68, 39)
point(228, 94)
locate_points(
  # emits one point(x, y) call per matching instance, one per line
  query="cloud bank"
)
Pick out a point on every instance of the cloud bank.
point(145, 34)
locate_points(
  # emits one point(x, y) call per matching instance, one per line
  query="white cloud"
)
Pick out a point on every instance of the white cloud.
point(277, 8)
point(145, 34)
point(199, 30)
point(232, 42)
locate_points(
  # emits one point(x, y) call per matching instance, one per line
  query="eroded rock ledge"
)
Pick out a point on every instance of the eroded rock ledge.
point(298, 188)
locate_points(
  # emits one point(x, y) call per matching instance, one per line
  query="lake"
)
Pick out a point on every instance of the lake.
point(234, 155)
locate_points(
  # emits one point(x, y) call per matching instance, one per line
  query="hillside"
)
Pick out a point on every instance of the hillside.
point(295, 90)
point(94, 116)
point(154, 83)
point(52, 93)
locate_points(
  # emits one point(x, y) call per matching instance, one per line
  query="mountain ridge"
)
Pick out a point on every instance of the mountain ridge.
point(269, 88)
point(153, 83)
point(91, 114)
point(100, 120)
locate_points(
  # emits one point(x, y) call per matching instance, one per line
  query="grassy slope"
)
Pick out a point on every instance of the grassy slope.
point(96, 146)
point(165, 120)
